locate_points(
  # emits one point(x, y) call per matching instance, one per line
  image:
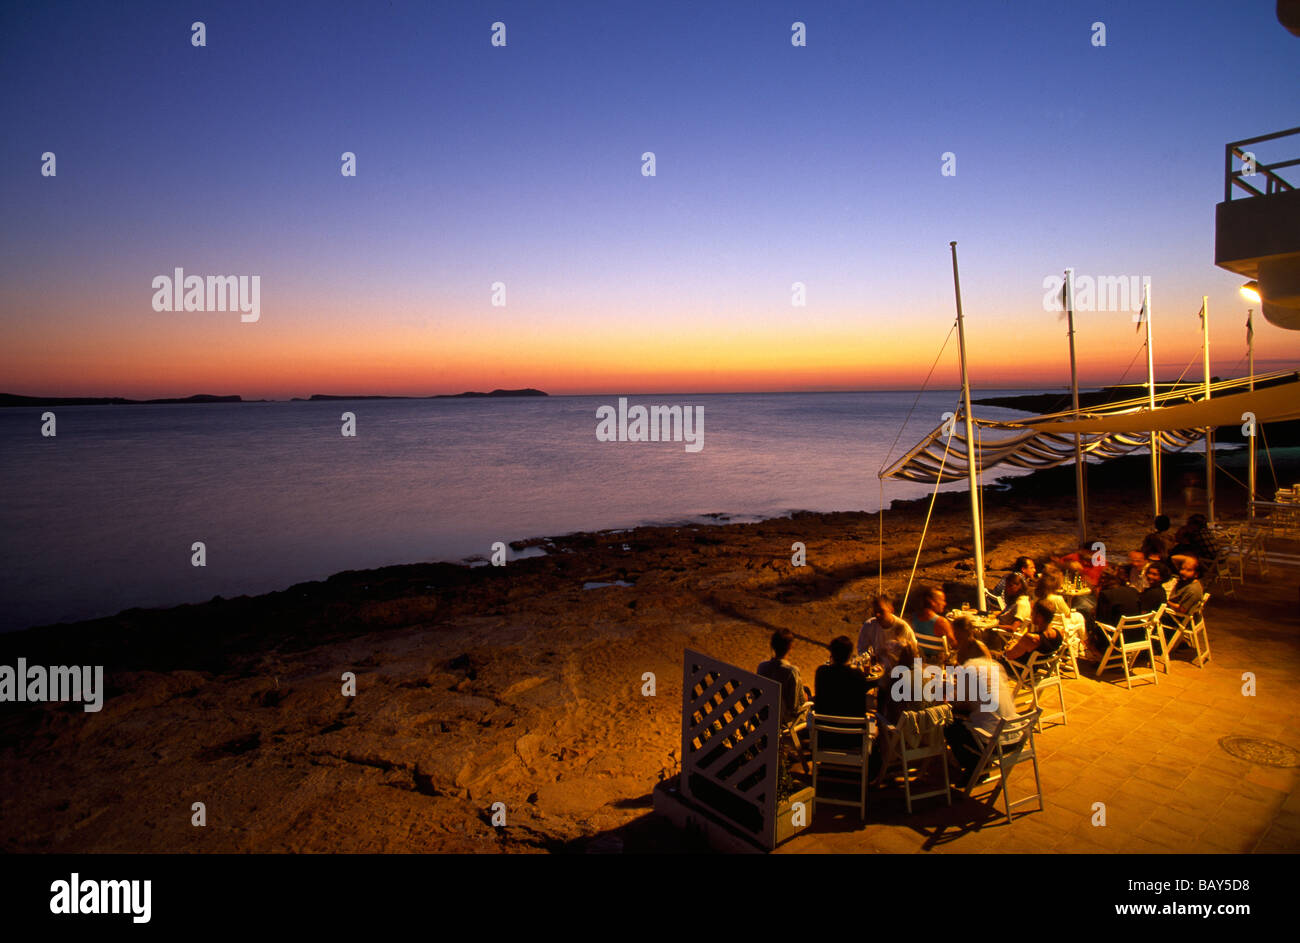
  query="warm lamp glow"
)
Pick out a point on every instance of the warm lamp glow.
point(1250, 291)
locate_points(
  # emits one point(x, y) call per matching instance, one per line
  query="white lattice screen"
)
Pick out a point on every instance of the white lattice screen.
point(730, 742)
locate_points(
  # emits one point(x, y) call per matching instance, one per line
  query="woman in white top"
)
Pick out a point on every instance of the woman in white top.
point(968, 737)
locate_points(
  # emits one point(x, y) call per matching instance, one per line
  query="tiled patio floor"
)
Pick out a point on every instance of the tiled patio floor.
point(1151, 755)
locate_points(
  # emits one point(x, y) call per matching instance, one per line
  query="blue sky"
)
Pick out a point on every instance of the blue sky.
point(522, 164)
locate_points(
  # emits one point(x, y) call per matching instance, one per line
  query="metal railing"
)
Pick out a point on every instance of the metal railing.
point(1272, 182)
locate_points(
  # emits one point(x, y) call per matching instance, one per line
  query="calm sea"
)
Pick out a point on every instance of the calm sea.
point(102, 517)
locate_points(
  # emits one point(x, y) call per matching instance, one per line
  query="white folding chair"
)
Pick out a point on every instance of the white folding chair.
point(929, 744)
point(1225, 569)
point(1188, 628)
point(1251, 547)
point(1073, 633)
point(1126, 652)
point(1003, 755)
point(992, 601)
point(849, 755)
point(1034, 677)
point(934, 649)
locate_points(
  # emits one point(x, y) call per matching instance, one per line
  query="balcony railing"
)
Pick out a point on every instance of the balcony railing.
point(1272, 182)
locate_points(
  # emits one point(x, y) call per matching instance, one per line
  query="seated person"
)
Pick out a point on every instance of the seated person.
point(1157, 544)
point(930, 620)
point(1048, 590)
point(1079, 563)
point(1187, 592)
point(968, 646)
point(968, 736)
point(1015, 617)
point(1136, 571)
point(1153, 597)
point(900, 649)
point(1024, 568)
point(1080, 570)
point(1116, 600)
point(1195, 539)
point(871, 637)
point(1042, 637)
point(793, 692)
point(1117, 597)
point(840, 690)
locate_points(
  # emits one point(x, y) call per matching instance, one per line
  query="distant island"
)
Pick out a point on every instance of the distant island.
point(13, 399)
point(525, 392)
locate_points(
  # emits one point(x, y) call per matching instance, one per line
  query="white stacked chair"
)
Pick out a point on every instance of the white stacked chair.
point(1251, 547)
point(1228, 567)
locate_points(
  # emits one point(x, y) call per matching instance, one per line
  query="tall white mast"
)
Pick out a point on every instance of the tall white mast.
point(1079, 483)
point(1151, 402)
point(977, 526)
point(1250, 353)
point(1209, 430)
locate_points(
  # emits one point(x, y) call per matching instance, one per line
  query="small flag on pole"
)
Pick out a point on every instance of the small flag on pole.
point(1250, 327)
point(1141, 315)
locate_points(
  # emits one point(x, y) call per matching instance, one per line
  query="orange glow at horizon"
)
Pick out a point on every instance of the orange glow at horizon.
point(302, 351)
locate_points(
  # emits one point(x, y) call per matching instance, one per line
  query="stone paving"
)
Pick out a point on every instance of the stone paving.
point(1151, 755)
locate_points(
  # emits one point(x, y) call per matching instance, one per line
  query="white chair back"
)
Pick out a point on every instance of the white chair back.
point(849, 751)
point(1011, 743)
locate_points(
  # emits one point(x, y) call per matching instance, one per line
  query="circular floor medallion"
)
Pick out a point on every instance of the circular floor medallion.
point(1263, 752)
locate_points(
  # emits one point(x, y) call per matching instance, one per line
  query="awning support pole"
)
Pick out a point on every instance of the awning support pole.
point(977, 526)
point(1080, 484)
point(1250, 354)
point(1151, 403)
point(1209, 430)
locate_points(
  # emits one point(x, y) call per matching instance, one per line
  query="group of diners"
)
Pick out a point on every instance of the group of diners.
point(886, 641)
point(1165, 570)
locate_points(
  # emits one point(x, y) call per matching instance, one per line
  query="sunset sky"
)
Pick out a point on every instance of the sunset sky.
point(522, 165)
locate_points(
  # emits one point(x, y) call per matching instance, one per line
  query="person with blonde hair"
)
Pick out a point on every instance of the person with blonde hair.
point(1048, 589)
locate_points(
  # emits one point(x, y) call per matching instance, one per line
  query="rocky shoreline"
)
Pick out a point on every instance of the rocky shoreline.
point(474, 686)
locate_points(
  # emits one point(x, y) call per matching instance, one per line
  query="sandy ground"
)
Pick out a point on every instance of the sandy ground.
point(511, 685)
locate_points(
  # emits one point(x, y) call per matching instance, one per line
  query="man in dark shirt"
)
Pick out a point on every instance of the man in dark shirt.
point(1158, 543)
point(1024, 566)
point(1117, 598)
point(840, 690)
point(1197, 540)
